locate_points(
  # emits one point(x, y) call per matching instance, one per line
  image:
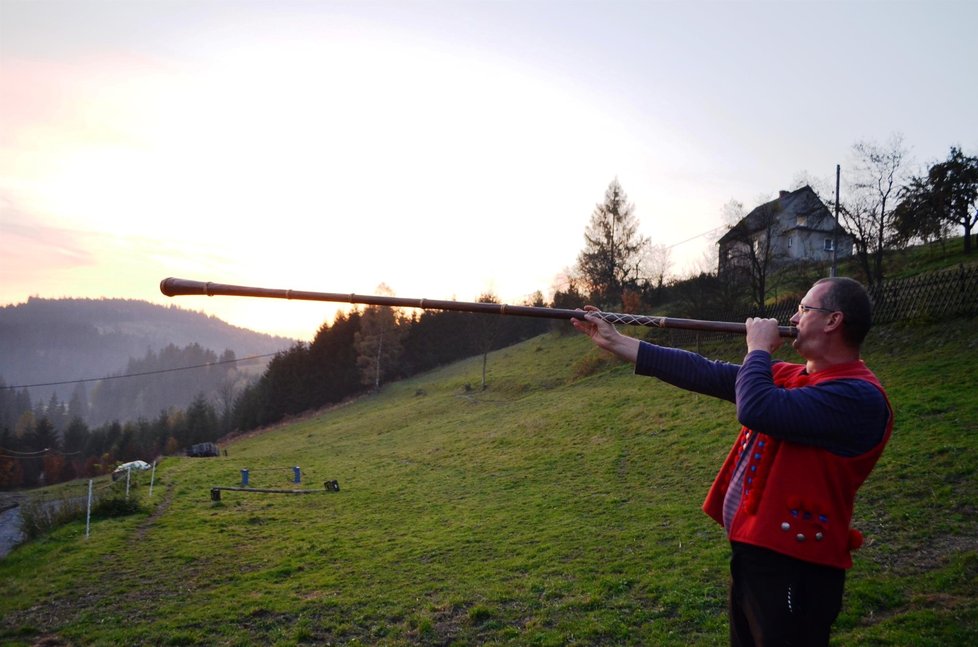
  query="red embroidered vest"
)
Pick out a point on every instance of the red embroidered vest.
point(799, 499)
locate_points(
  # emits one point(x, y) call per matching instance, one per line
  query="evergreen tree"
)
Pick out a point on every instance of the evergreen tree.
point(201, 421)
point(56, 412)
point(333, 373)
point(78, 404)
point(612, 254)
point(378, 343)
point(75, 436)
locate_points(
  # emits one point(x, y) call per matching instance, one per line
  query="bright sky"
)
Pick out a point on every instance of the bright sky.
point(444, 148)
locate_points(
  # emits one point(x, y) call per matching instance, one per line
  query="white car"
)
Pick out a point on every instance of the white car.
point(120, 471)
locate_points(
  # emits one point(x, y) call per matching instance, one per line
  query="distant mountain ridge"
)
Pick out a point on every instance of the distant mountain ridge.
point(57, 340)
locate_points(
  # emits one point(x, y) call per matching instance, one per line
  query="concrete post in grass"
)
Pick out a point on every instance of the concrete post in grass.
point(88, 512)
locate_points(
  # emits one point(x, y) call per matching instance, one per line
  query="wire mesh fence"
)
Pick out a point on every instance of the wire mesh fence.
point(935, 295)
point(926, 297)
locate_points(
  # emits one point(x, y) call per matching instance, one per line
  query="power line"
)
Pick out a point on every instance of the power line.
point(26, 454)
point(14, 454)
point(156, 372)
point(705, 233)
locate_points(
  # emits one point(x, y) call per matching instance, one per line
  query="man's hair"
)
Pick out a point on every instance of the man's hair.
point(849, 297)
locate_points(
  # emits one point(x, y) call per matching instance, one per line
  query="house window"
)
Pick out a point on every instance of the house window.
point(829, 245)
point(791, 241)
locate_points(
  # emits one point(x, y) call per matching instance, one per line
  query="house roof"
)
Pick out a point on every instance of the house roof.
point(800, 202)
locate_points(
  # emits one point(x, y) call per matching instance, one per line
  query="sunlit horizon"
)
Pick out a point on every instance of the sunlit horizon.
point(443, 149)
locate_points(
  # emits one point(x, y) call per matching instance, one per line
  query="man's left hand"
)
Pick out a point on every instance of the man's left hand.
point(763, 334)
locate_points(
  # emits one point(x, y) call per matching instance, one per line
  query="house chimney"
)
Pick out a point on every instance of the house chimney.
point(783, 193)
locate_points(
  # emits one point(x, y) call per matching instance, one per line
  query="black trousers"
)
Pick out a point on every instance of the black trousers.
point(777, 600)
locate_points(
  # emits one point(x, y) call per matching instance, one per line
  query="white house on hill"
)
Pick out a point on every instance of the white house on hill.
point(794, 227)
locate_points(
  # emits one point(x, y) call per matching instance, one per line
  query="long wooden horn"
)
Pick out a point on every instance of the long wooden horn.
point(172, 287)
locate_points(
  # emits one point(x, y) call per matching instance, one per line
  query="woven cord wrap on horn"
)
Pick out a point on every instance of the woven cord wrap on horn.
point(630, 320)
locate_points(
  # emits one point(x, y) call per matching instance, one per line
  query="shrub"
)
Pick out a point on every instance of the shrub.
point(115, 506)
point(41, 516)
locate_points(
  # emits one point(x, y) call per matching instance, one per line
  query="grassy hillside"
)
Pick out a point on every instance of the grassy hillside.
point(560, 507)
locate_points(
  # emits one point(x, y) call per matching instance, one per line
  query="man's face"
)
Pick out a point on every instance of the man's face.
point(810, 320)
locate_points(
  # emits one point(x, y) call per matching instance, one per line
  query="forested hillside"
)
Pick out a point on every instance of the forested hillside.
point(60, 340)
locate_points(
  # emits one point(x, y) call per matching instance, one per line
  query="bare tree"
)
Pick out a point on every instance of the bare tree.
point(868, 213)
point(753, 246)
point(733, 212)
point(753, 253)
point(488, 327)
point(654, 264)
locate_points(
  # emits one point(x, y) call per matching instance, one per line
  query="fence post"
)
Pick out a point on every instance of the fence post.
point(88, 512)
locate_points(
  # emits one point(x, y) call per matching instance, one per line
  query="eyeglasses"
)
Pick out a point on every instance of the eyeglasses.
point(802, 309)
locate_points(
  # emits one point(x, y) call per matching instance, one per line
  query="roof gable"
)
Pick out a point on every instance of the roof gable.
point(790, 204)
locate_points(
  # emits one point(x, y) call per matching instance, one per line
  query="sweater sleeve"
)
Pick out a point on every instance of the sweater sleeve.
point(687, 370)
point(847, 417)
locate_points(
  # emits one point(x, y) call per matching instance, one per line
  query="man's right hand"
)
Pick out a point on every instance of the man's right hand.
point(606, 336)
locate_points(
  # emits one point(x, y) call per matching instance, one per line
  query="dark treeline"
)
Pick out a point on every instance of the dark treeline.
point(44, 442)
point(331, 369)
point(35, 452)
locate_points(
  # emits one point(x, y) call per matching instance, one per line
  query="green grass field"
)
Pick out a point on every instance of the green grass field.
point(559, 507)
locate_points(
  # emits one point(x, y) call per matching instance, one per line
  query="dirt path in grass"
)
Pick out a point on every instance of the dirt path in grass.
point(158, 512)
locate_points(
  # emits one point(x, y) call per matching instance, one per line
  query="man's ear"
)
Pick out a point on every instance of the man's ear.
point(834, 321)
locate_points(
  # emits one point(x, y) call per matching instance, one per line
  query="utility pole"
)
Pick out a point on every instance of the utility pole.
point(835, 228)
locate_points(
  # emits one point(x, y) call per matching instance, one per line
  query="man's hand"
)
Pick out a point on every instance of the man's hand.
point(600, 331)
point(762, 334)
point(606, 336)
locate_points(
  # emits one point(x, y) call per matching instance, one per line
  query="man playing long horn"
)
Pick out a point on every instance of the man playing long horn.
point(811, 433)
